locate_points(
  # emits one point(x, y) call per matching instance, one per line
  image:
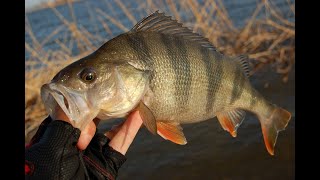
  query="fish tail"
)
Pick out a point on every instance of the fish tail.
point(274, 121)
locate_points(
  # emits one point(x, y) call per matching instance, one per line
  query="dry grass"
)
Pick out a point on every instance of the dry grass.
point(269, 41)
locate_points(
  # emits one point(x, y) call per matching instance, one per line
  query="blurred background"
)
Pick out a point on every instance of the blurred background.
point(58, 32)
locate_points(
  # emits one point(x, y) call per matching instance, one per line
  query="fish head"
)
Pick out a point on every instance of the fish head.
point(79, 89)
point(94, 88)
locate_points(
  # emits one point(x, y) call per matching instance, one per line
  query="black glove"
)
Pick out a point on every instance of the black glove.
point(52, 154)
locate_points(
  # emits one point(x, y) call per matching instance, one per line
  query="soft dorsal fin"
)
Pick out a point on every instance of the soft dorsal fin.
point(243, 60)
point(159, 22)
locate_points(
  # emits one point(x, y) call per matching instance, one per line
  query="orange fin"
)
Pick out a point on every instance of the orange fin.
point(271, 126)
point(171, 131)
point(231, 120)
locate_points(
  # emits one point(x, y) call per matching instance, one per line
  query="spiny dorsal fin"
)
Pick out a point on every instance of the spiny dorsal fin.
point(231, 120)
point(159, 22)
point(243, 60)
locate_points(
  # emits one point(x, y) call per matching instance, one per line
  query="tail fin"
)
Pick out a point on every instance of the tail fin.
point(277, 121)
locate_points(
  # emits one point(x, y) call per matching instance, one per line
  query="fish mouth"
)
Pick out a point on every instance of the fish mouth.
point(73, 103)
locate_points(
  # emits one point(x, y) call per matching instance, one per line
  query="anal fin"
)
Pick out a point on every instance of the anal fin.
point(171, 131)
point(231, 120)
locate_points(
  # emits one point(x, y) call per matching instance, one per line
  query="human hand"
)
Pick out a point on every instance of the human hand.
point(86, 134)
point(121, 135)
point(103, 154)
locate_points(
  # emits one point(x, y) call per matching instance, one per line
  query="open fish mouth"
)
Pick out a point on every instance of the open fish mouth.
point(73, 103)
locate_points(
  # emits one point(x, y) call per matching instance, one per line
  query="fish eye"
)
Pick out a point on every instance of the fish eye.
point(88, 75)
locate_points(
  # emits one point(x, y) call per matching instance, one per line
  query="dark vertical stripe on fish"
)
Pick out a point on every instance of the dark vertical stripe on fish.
point(172, 50)
point(238, 85)
point(214, 76)
point(184, 72)
point(140, 47)
point(138, 44)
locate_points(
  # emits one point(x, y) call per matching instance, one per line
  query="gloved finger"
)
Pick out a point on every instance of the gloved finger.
point(87, 134)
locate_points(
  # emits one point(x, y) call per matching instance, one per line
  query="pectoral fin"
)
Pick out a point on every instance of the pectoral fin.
point(147, 117)
point(172, 132)
point(231, 120)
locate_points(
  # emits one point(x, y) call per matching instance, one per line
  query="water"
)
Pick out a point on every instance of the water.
point(44, 22)
point(211, 152)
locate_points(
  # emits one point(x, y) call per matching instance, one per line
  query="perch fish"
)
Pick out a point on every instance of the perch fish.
point(171, 75)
